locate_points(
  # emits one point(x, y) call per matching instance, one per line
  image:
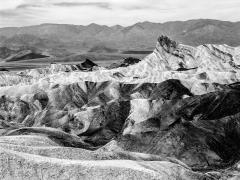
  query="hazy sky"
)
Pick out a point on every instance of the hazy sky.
point(112, 12)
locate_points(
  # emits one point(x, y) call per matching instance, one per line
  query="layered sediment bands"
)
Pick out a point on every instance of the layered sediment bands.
point(148, 120)
point(58, 105)
point(112, 119)
point(79, 94)
point(199, 130)
point(157, 121)
point(203, 65)
point(210, 106)
point(54, 162)
point(178, 142)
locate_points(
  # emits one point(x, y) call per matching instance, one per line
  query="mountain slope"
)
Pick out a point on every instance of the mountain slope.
point(139, 36)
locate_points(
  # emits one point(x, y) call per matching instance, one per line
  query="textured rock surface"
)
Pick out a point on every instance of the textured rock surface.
point(173, 115)
point(204, 65)
point(36, 157)
point(126, 62)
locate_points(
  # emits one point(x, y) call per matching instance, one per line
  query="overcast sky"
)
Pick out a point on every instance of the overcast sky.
point(112, 12)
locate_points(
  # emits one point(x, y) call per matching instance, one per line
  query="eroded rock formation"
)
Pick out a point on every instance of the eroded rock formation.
point(144, 121)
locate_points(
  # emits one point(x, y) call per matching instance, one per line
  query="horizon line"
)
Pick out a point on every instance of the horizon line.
point(119, 24)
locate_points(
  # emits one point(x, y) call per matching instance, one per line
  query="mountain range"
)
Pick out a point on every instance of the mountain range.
point(64, 39)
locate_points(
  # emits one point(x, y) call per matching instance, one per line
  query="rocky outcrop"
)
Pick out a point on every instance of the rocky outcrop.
point(197, 69)
point(125, 63)
point(204, 133)
point(149, 113)
point(209, 106)
point(96, 113)
point(87, 65)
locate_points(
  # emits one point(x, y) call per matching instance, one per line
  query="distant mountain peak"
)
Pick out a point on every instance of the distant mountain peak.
point(93, 24)
point(116, 27)
point(70, 39)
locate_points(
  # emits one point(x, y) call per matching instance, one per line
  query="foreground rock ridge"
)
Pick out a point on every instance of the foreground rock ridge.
point(173, 115)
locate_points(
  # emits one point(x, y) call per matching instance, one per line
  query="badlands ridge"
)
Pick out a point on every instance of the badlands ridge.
point(173, 115)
